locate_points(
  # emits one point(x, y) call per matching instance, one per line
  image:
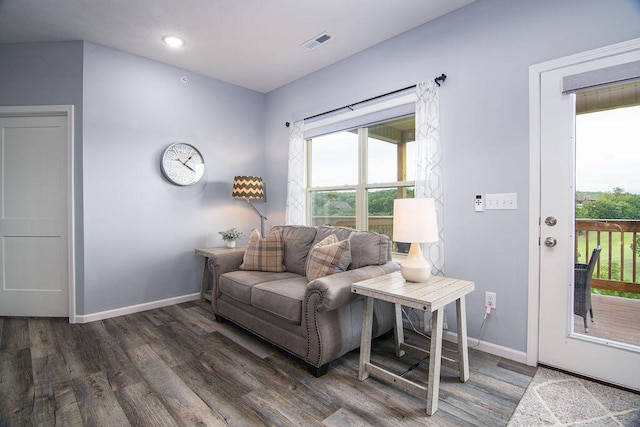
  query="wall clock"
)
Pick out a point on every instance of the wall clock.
point(182, 164)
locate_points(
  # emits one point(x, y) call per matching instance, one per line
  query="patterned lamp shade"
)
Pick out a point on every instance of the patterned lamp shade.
point(248, 187)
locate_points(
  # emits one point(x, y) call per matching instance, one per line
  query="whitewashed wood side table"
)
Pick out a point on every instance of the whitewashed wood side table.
point(431, 296)
point(206, 274)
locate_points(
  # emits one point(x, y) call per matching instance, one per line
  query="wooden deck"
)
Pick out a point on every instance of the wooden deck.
point(615, 318)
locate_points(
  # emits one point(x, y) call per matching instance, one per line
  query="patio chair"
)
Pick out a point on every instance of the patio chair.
point(582, 288)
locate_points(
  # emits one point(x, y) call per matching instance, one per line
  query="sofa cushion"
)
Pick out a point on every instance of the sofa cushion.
point(264, 254)
point(325, 231)
point(367, 247)
point(281, 297)
point(298, 240)
point(238, 284)
point(327, 257)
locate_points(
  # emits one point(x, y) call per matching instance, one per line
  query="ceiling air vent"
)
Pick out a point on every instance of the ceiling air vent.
point(317, 41)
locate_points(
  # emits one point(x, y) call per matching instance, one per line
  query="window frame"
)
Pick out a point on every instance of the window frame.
point(362, 187)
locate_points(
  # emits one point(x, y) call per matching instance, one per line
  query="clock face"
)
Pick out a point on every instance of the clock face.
point(182, 164)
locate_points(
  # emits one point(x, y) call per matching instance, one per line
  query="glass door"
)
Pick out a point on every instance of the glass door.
point(563, 340)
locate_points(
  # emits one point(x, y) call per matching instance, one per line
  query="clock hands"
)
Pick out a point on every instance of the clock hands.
point(185, 163)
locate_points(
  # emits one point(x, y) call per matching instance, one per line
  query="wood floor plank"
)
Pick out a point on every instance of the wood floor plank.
point(51, 368)
point(41, 337)
point(250, 342)
point(97, 402)
point(179, 314)
point(220, 393)
point(171, 352)
point(78, 349)
point(206, 323)
point(158, 317)
point(143, 407)
point(121, 330)
point(44, 404)
point(15, 334)
point(111, 358)
point(16, 386)
point(181, 401)
point(279, 409)
point(67, 409)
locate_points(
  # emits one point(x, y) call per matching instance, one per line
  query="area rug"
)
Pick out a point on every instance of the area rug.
point(554, 398)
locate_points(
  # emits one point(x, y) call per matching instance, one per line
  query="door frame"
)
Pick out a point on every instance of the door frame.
point(535, 98)
point(68, 112)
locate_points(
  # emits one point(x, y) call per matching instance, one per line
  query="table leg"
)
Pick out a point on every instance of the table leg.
point(463, 350)
point(204, 286)
point(365, 338)
point(398, 331)
point(433, 387)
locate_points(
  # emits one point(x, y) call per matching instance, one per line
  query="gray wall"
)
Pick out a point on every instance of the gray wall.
point(140, 230)
point(485, 49)
point(136, 232)
point(49, 74)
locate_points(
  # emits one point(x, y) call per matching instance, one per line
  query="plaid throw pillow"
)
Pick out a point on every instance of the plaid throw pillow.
point(327, 257)
point(264, 254)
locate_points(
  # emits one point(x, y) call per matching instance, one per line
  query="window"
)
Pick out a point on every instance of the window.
point(355, 175)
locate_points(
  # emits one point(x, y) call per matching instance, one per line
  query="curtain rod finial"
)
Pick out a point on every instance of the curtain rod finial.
point(441, 78)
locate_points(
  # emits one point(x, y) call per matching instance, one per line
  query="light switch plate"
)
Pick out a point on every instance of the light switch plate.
point(501, 201)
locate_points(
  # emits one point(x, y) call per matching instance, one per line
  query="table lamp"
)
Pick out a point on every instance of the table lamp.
point(415, 222)
point(249, 187)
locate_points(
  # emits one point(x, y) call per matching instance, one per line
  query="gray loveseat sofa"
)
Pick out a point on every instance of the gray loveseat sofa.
point(317, 321)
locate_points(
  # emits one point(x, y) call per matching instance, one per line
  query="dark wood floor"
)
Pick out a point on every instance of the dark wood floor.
point(178, 366)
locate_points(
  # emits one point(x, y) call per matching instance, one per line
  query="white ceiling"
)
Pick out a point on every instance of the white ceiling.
point(251, 43)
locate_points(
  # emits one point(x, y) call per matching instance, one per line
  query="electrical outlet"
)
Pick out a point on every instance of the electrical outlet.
point(490, 299)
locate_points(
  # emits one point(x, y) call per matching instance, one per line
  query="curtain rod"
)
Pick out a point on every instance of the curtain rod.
point(438, 80)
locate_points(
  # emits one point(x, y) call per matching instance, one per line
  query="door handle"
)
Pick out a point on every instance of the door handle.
point(550, 242)
point(550, 221)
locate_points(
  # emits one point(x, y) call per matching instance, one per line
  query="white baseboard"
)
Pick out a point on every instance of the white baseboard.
point(487, 347)
point(86, 318)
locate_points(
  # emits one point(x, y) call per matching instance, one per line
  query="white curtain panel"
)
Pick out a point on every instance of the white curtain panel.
point(296, 187)
point(429, 165)
point(429, 180)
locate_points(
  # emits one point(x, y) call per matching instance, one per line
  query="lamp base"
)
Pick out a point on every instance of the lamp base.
point(415, 268)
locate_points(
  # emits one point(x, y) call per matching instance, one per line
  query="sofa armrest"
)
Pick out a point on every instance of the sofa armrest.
point(332, 314)
point(334, 291)
point(221, 263)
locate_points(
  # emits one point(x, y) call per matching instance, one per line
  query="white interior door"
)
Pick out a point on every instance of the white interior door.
point(558, 344)
point(34, 222)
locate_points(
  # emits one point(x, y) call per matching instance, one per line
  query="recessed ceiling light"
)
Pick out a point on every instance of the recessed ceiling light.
point(173, 41)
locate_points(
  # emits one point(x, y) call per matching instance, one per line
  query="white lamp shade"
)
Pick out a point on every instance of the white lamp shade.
point(415, 221)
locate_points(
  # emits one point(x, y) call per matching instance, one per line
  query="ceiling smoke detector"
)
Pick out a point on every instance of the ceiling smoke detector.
point(318, 40)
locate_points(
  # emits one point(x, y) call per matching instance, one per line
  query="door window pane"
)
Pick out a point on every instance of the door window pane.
point(607, 300)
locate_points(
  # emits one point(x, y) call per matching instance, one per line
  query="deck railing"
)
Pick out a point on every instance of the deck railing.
point(379, 224)
point(617, 267)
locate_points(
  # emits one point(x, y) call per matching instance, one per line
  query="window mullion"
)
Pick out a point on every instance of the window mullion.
point(361, 202)
point(309, 184)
